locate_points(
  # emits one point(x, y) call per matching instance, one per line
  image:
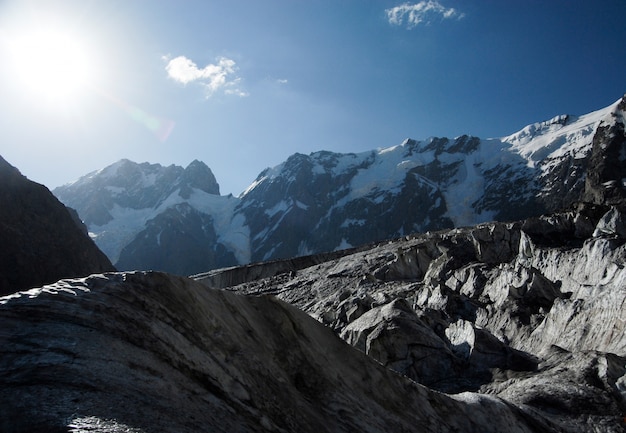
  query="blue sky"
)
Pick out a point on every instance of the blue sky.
point(241, 85)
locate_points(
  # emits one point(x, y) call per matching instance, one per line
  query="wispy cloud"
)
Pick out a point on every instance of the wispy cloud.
point(220, 76)
point(423, 12)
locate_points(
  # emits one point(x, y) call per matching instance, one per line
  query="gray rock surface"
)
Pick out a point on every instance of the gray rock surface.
point(149, 352)
point(604, 184)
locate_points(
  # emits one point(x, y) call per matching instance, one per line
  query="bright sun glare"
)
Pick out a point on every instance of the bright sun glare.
point(51, 64)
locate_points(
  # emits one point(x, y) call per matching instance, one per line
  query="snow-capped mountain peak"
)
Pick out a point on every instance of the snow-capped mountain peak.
point(119, 201)
point(327, 200)
point(560, 135)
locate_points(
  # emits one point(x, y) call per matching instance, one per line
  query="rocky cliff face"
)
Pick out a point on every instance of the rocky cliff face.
point(528, 311)
point(328, 201)
point(606, 183)
point(42, 241)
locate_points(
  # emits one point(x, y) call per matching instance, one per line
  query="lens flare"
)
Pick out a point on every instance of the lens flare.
point(160, 127)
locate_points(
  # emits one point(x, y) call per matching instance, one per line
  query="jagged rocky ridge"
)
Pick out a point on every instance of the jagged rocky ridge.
point(41, 240)
point(531, 312)
point(140, 213)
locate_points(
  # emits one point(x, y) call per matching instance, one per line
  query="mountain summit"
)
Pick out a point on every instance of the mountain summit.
point(134, 186)
point(327, 201)
point(150, 216)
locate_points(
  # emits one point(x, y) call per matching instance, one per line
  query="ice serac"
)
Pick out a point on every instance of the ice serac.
point(41, 240)
point(149, 352)
point(529, 311)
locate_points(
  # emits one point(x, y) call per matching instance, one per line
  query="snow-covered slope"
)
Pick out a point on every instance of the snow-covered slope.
point(138, 214)
point(546, 141)
point(558, 150)
point(327, 201)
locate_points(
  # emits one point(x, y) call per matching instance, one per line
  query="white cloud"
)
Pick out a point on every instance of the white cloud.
point(420, 13)
point(232, 88)
point(213, 77)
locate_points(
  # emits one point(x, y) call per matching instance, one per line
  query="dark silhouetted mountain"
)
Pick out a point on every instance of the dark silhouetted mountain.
point(42, 241)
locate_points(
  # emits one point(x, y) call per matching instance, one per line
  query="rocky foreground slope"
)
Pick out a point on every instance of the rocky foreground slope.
point(148, 352)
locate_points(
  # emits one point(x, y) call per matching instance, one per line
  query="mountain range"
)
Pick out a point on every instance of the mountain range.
point(513, 325)
point(147, 216)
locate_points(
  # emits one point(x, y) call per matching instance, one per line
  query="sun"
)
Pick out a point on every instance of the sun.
point(51, 64)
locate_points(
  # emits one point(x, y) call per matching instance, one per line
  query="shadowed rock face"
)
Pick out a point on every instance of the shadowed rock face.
point(41, 241)
point(605, 183)
point(530, 311)
point(148, 352)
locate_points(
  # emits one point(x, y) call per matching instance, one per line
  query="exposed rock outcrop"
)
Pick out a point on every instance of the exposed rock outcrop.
point(41, 240)
point(605, 183)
